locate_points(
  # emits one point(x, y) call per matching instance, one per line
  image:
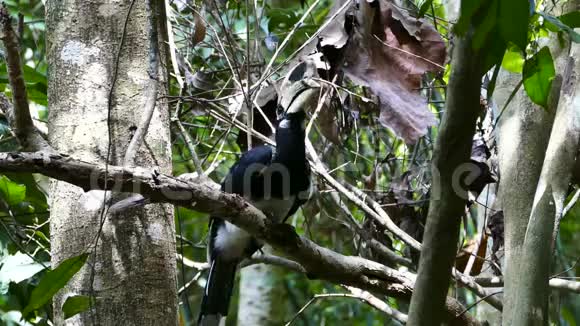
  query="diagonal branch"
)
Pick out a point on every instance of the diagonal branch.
point(19, 117)
point(317, 261)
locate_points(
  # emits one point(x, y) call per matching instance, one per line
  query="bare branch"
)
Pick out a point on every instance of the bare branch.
point(356, 294)
point(378, 304)
point(273, 260)
point(383, 219)
point(190, 146)
point(555, 283)
point(317, 261)
point(19, 117)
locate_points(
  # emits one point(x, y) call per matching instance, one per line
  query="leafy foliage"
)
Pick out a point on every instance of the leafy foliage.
point(75, 305)
point(215, 45)
point(538, 74)
point(53, 281)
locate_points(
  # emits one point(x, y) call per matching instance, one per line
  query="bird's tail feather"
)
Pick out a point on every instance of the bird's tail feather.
point(218, 290)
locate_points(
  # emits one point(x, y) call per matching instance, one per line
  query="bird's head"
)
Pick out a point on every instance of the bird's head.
point(299, 90)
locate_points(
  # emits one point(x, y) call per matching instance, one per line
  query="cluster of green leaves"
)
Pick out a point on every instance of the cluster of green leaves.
point(509, 32)
point(27, 284)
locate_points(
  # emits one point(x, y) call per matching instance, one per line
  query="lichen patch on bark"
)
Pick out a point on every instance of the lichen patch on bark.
point(78, 53)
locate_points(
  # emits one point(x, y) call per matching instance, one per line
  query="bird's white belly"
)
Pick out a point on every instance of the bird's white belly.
point(232, 241)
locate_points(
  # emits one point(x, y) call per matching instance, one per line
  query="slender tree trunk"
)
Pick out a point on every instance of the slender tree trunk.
point(131, 271)
point(485, 311)
point(451, 153)
point(262, 296)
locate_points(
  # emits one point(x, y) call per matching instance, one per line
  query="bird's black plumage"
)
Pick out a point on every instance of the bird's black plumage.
point(276, 181)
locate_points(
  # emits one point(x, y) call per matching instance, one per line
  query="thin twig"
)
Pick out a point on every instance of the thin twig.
point(171, 42)
point(355, 293)
point(477, 302)
point(377, 303)
point(571, 203)
point(190, 146)
point(287, 39)
point(510, 98)
point(267, 74)
point(188, 284)
point(320, 105)
point(409, 53)
point(380, 248)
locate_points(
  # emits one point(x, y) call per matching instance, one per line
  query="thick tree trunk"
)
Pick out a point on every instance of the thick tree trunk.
point(533, 292)
point(524, 132)
point(131, 272)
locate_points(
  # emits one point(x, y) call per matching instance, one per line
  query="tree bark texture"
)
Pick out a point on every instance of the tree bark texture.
point(533, 291)
point(263, 300)
point(523, 132)
point(451, 153)
point(131, 271)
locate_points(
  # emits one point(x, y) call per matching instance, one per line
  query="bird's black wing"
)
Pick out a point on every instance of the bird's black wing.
point(245, 178)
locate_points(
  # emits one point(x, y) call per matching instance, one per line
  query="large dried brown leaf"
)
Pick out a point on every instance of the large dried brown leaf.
point(389, 51)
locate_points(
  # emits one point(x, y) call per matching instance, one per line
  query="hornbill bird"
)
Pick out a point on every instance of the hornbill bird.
point(274, 180)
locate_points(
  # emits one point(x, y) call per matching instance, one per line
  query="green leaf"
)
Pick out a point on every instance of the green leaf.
point(484, 29)
point(34, 194)
point(37, 96)
point(53, 281)
point(514, 17)
point(424, 7)
point(568, 316)
point(12, 192)
point(281, 19)
point(571, 19)
point(554, 24)
point(75, 304)
point(538, 74)
point(468, 9)
point(513, 60)
point(31, 76)
point(494, 52)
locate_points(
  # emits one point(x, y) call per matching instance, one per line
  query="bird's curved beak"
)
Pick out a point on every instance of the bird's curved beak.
point(299, 90)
